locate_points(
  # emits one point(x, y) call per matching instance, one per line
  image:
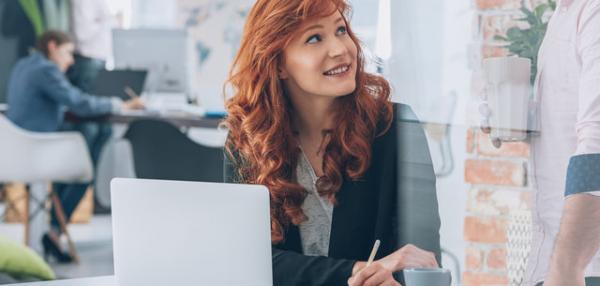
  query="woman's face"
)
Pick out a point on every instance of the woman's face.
point(321, 60)
point(61, 55)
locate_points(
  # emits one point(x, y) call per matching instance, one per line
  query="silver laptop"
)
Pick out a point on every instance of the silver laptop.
point(190, 233)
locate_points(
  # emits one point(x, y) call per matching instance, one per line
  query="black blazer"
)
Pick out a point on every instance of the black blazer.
point(395, 202)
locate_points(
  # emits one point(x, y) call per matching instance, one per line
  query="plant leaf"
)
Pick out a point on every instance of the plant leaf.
point(500, 38)
point(531, 18)
point(540, 10)
point(552, 4)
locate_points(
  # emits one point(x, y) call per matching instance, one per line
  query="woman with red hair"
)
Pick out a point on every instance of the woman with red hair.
point(309, 123)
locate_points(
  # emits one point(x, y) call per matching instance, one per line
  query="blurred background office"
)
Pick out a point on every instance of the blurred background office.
point(176, 55)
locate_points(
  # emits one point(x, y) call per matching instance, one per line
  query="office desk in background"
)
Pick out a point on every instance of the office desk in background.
point(178, 119)
point(93, 281)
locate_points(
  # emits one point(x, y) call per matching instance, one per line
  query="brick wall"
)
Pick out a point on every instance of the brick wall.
point(497, 177)
point(498, 185)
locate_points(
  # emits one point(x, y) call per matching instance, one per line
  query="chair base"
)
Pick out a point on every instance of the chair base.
point(36, 222)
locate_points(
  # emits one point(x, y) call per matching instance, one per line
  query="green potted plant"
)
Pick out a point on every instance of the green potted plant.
point(526, 42)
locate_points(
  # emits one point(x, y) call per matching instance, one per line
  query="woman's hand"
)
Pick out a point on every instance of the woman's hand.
point(380, 272)
point(374, 275)
point(135, 103)
point(409, 256)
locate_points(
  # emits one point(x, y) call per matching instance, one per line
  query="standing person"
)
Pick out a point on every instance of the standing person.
point(309, 123)
point(39, 94)
point(569, 87)
point(91, 25)
point(566, 154)
point(23, 21)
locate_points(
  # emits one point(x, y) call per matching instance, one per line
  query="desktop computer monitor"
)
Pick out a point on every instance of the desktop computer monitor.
point(164, 53)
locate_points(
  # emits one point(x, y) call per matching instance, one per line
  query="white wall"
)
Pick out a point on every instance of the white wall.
point(153, 13)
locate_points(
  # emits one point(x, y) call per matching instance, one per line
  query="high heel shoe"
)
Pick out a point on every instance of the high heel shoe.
point(51, 249)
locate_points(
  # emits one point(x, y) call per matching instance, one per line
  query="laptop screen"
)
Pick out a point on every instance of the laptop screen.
point(115, 82)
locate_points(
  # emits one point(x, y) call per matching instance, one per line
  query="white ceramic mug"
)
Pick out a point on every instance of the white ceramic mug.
point(508, 92)
point(427, 277)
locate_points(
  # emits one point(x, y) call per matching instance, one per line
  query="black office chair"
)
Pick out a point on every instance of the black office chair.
point(161, 151)
point(417, 198)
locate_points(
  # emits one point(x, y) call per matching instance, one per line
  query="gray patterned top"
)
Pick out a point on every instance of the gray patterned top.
point(315, 231)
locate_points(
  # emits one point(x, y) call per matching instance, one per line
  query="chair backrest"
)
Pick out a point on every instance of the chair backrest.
point(417, 202)
point(42, 156)
point(162, 151)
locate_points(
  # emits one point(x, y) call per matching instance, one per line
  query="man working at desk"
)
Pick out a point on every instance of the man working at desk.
point(39, 93)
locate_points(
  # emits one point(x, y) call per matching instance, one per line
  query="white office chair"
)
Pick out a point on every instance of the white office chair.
point(38, 158)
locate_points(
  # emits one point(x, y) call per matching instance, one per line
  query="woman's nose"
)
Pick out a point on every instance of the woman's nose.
point(337, 48)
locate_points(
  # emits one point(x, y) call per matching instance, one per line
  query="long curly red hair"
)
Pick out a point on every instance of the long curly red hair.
point(261, 135)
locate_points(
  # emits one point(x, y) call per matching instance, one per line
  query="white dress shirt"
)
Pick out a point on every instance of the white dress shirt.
point(91, 25)
point(568, 90)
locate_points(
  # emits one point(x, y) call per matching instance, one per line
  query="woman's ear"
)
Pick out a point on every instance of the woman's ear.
point(283, 74)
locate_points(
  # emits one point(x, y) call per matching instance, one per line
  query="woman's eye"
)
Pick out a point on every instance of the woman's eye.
point(313, 39)
point(341, 30)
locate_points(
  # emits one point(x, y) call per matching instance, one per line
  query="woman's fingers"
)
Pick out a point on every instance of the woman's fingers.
point(359, 278)
point(409, 256)
point(391, 283)
point(374, 275)
point(416, 257)
point(379, 278)
point(429, 259)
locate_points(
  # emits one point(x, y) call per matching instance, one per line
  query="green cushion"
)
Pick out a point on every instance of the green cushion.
point(19, 261)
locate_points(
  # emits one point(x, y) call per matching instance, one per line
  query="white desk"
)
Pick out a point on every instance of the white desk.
point(95, 281)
